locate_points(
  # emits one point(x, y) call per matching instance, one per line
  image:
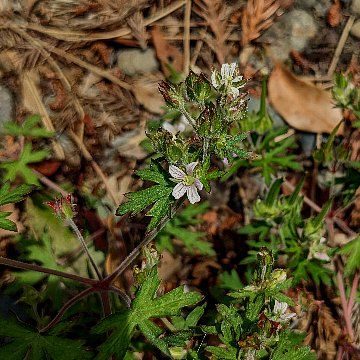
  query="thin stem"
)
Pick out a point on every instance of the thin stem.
point(189, 118)
point(76, 230)
point(37, 268)
point(106, 305)
point(136, 252)
point(66, 306)
point(353, 291)
point(344, 305)
point(123, 296)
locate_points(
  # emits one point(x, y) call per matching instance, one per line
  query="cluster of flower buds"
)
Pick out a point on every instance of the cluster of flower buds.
point(63, 207)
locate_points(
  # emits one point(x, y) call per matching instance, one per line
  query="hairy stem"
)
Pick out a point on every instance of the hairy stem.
point(76, 230)
point(65, 307)
point(148, 238)
point(37, 268)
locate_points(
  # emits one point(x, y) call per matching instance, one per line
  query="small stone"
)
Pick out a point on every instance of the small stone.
point(136, 61)
point(355, 7)
point(292, 32)
point(6, 105)
point(355, 30)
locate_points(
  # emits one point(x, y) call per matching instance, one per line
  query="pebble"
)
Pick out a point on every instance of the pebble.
point(355, 7)
point(292, 32)
point(137, 61)
point(355, 29)
point(6, 105)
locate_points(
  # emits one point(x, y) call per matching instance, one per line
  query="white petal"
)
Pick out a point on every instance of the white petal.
point(234, 92)
point(169, 127)
point(198, 184)
point(214, 79)
point(288, 316)
point(190, 167)
point(176, 173)
point(232, 69)
point(179, 191)
point(322, 256)
point(224, 70)
point(192, 194)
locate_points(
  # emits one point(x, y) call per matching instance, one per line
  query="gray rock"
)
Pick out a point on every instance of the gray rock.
point(355, 29)
point(137, 61)
point(292, 32)
point(355, 7)
point(6, 105)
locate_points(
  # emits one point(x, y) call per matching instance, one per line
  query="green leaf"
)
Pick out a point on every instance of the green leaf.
point(352, 251)
point(159, 195)
point(31, 127)
point(11, 196)
point(28, 343)
point(20, 166)
point(144, 307)
point(230, 280)
point(289, 347)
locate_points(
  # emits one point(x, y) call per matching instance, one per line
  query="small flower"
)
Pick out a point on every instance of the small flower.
point(178, 127)
point(187, 183)
point(279, 312)
point(228, 79)
point(318, 250)
point(63, 207)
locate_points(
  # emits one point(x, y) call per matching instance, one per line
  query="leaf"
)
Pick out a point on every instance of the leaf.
point(30, 127)
point(312, 109)
point(230, 280)
point(11, 196)
point(159, 195)
point(352, 251)
point(21, 167)
point(28, 343)
point(289, 347)
point(144, 307)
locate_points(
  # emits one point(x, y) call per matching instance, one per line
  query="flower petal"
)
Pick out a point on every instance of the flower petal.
point(190, 167)
point(176, 173)
point(192, 194)
point(169, 127)
point(179, 190)
point(198, 184)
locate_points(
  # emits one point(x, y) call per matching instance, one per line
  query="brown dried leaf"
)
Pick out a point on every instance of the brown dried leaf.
point(147, 94)
point(166, 53)
point(303, 106)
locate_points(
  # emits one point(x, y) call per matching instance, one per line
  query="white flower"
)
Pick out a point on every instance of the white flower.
point(179, 126)
point(319, 251)
point(187, 183)
point(279, 312)
point(228, 79)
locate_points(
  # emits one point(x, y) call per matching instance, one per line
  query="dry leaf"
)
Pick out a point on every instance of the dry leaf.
point(303, 106)
point(147, 94)
point(166, 53)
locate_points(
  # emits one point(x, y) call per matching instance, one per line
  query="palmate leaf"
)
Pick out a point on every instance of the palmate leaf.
point(20, 166)
point(27, 343)
point(289, 347)
point(352, 251)
point(11, 196)
point(30, 127)
point(159, 195)
point(145, 307)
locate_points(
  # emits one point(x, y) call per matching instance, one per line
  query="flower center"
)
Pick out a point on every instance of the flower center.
point(188, 180)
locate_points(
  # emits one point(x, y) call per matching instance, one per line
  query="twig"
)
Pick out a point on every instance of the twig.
point(66, 306)
point(42, 178)
point(33, 267)
point(95, 166)
point(76, 230)
point(340, 45)
point(187, 37)
point(83, 36)
point(136, 252)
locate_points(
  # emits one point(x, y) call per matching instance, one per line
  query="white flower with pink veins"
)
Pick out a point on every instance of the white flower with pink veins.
point(187, 182)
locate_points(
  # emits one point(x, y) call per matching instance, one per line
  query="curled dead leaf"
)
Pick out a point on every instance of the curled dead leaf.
point(303, 106)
